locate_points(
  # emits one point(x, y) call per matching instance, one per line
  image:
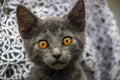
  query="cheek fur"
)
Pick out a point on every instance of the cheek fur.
point(48, 59)
point(37, 55)
point(75, 50)
point(66, 56)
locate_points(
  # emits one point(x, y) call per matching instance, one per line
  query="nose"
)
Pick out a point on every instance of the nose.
point(56, 53)
point(57, 56)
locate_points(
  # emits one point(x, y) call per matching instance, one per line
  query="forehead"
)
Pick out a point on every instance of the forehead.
point(53, 29)
point(54, 26)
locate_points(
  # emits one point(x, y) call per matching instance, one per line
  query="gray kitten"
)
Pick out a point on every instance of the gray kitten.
point(54, 45)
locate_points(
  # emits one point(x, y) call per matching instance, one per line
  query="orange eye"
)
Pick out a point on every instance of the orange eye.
point(43, 44)
point(67, 41)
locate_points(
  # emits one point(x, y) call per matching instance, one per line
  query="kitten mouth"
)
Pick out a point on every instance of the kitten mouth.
point(58, 63)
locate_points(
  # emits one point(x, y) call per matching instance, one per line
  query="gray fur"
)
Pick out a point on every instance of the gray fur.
point(70, 55)
point(54, 30)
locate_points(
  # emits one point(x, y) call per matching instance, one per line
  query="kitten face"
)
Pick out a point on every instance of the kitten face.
point(53, 42)
point(56, 55)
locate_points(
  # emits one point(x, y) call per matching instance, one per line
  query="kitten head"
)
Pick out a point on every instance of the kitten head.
point(53, 42)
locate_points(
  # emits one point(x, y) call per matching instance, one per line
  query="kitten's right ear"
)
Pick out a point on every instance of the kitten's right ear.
point(77, 16)
point(27, 22)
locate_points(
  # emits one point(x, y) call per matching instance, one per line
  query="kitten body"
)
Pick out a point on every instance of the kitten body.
point(56, 61)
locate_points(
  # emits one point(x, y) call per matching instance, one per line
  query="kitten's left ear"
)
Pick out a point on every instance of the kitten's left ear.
point(77, 15)
point(27, 22)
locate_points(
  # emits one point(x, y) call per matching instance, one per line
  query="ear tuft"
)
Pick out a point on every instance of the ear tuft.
point(27, 22)
point(77, 15)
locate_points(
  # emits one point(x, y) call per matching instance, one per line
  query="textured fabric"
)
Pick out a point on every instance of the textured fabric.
point(101, 55)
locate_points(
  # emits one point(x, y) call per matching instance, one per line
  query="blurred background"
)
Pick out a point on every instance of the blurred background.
point(115, 7)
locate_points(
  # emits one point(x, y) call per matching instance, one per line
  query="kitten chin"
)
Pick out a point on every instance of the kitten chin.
point(58, 65)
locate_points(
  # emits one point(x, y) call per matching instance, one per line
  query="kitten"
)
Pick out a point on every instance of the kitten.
point(54, 44)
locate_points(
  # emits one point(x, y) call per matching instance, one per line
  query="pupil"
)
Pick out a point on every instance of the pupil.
point(67, 40)
point(42, 44)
